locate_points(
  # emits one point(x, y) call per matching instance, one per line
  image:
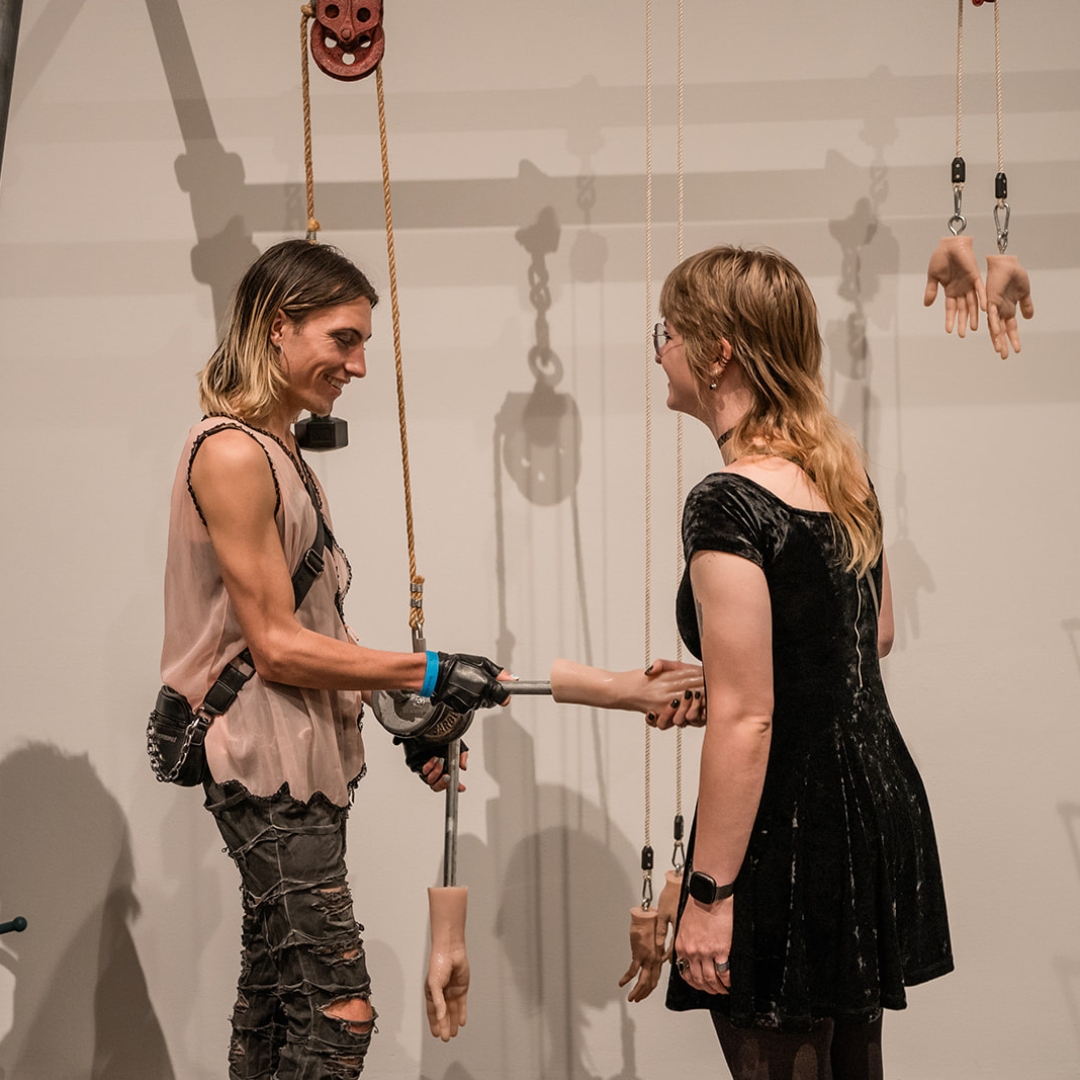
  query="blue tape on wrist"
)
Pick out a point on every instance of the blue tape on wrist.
point(431, 674)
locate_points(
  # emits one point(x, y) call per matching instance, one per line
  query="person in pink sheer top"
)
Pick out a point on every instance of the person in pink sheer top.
point(247, 515)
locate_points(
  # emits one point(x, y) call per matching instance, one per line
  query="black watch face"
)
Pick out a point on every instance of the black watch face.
point(702, 887)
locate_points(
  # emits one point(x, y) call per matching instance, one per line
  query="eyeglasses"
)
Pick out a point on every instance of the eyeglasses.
point(660, 337)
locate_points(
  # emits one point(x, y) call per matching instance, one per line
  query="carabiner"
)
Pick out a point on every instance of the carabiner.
point(1002, 233)
point(957, 223)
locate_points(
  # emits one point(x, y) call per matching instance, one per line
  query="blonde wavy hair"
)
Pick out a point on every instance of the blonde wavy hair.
point(759, 303)
point(243, 378)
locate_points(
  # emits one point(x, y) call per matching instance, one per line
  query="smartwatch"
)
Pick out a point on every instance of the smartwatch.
point(705, 890)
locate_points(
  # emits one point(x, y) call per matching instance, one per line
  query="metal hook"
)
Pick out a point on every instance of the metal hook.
point(646, 891)
point(678, 857)
point(1002, 233)
point(957, 223)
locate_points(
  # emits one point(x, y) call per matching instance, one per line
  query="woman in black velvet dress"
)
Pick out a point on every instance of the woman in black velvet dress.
point(813, 893)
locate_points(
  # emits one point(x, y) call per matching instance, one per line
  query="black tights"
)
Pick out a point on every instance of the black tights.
point(831, 1050)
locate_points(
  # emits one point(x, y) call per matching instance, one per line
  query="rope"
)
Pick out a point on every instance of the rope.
point(960, 71)
point(649, 352)
point(416, 583)
point(307, 12)
point(679, 418)
point(997, 86)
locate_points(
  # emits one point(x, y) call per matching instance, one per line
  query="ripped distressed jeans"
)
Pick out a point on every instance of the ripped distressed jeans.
point(301, 943)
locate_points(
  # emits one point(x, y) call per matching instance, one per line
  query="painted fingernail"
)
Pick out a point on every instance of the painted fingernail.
point(674, 703)
point(697, 693)
point(650, 716)
point(689, 695)
point(648, 670)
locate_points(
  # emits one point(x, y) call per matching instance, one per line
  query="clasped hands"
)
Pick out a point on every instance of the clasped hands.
point(954, 267)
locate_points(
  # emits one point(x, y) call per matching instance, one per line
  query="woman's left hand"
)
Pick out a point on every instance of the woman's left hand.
point(671, 693)
point(704, 943)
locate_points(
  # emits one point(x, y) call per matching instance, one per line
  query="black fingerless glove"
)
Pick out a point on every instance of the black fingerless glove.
point(418, 752)
point(465, 683)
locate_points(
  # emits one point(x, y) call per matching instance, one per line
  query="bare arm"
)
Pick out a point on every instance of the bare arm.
point(736, 641)
point(235, 489)
point(886, 626)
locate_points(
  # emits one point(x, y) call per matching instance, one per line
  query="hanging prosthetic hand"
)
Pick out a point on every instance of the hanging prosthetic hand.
point(667, 909)
point(646, 953)
point(447, 985)
point(1007, 285)
point(954, 267)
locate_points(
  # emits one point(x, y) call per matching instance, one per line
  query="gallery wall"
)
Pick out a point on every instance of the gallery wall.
point(153, 149)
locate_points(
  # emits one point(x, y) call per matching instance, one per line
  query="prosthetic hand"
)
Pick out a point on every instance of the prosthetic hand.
point(447, 983)
point(1007, 285)
point(667, 908)
point(954, 266)
point(465, 683)
point(646, 953)
point(668, 692)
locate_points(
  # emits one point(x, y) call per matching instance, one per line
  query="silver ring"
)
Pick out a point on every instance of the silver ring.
point(721, 968)
point(682, 964)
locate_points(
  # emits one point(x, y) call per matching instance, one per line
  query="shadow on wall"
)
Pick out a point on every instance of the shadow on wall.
point(81, 1006)
point(869, 260)
point(1068, 967)
point(549, 891)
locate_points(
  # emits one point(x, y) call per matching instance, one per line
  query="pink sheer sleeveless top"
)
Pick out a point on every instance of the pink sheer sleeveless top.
point(272, 734)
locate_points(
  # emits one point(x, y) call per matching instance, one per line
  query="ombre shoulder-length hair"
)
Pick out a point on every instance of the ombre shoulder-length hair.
point(243, 378)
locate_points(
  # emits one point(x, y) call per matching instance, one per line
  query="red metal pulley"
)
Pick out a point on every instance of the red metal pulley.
point(347, 39)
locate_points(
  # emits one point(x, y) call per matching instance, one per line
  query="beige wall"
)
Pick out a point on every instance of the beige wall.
point(153, 148)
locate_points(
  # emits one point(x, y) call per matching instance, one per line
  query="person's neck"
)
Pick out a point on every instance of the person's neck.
point(280, 425)
point(728, 412)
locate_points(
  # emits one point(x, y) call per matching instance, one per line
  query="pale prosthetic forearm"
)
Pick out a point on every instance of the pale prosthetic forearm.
point(667, 688)
point(447, 983)
point(667, 908)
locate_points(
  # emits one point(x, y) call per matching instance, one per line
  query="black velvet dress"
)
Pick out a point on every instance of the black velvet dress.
point(839, 902)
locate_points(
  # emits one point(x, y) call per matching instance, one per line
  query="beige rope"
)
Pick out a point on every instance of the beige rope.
point(649, 354)
point(416, 583)
point(307, 12)
point(959, 72)
point(997, 85)
point(679, 418)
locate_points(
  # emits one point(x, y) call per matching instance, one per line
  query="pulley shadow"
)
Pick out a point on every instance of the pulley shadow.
point(869, 268)
point(550, 889)
point(81, 1005)
point(212, 177)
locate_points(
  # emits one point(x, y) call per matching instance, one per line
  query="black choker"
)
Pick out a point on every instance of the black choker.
point(724, 438)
